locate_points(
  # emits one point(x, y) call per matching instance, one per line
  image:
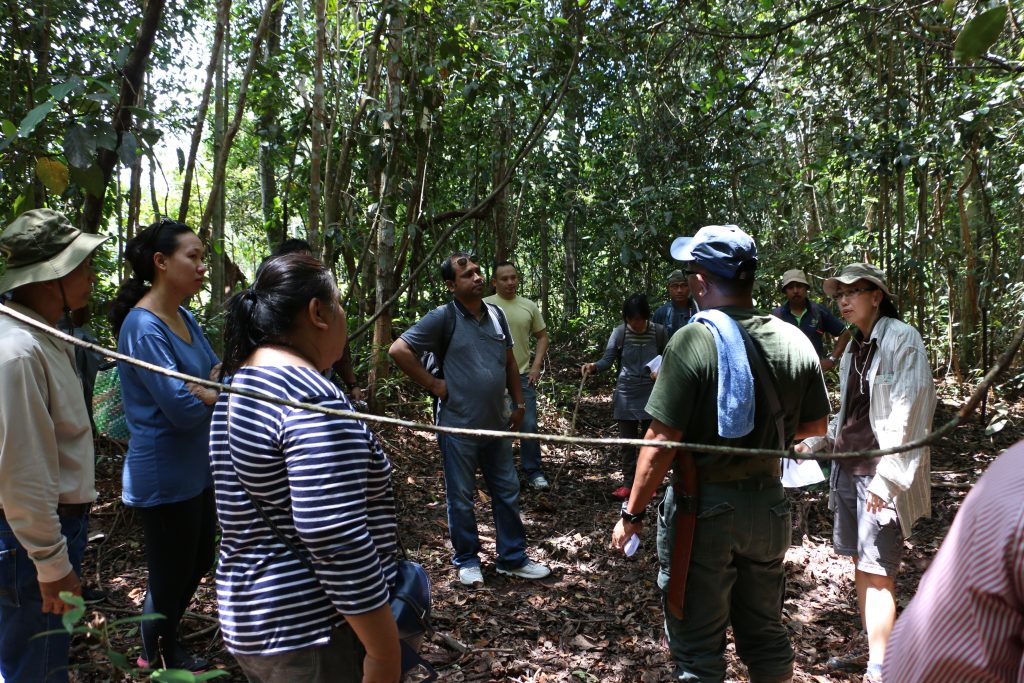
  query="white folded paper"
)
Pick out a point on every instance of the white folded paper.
point(797, 473)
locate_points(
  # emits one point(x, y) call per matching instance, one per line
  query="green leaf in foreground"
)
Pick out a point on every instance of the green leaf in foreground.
point(980, 33)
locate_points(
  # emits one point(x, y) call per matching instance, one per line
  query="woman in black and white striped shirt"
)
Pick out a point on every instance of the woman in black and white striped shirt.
point(323, 481)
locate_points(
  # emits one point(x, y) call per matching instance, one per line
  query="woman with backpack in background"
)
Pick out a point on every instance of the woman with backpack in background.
point(634, 344)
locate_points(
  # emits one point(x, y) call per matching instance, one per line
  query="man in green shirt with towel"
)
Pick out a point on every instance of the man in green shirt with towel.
point(735, 573)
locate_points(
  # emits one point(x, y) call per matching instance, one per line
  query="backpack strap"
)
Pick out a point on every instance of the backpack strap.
point(449, 326)
point(760, 371)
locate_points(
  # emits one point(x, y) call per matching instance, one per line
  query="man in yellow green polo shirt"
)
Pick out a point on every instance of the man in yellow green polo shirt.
point(524, 319)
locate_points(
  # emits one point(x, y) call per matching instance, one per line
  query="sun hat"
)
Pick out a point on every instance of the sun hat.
point(676, 276)
point(725, 250)
point(42, 245)
point(856, 271)
point(793, 275)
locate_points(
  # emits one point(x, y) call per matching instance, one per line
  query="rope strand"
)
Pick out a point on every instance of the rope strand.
point(962, 414)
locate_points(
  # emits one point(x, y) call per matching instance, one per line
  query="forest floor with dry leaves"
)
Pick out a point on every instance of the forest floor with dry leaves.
point(598, 617)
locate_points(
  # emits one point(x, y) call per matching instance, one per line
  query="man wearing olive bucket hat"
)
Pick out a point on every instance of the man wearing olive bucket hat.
point(813, 319)
point(46, 449)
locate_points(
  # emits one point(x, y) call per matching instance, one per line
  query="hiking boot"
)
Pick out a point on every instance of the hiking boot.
point(539, 483)
point(851, 664)
point(531, 570)
point(183, 659)
point(471, 576)
point(91, 595)
point(622, 492)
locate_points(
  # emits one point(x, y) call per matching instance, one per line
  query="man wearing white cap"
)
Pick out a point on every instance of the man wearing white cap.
point(46, 451)
point(813, 319)
point(733, 504)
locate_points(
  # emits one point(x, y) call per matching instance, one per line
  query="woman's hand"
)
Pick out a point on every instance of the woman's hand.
point(207, 396)
point(588, 369)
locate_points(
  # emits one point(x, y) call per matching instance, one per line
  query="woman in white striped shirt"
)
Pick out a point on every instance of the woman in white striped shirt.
point(307, 556)
point(887, 398)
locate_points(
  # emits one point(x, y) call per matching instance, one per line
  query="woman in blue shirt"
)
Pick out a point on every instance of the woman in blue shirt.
point(167, 472)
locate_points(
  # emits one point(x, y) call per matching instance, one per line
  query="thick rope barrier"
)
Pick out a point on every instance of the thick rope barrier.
point(962, 414)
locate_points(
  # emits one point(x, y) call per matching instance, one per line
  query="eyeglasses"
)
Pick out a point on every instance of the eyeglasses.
point(839, 296)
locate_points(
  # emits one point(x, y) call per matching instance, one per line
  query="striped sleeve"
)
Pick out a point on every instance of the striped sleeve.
point(331, 482)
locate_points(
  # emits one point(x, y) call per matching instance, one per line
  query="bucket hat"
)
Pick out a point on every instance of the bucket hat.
point(42, 245)
point(857, 271)
point(793, 275)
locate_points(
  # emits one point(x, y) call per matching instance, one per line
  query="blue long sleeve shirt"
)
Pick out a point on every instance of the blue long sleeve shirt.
point(169, 428)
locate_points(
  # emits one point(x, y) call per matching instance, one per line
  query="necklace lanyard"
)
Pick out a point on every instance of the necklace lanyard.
point(863, 369)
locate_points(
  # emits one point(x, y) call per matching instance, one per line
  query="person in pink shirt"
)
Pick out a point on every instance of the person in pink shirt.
point(966, 623)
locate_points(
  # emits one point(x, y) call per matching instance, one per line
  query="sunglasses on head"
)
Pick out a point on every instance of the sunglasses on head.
point(164, 222)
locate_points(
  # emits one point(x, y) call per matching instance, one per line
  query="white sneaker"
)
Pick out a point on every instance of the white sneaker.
point(539, 483)
point(531, 570)
point(471, 576)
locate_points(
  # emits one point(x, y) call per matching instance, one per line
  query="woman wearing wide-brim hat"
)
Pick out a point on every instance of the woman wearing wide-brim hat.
point(887, 399)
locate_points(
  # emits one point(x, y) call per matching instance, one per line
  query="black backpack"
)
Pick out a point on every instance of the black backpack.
point(433, 361)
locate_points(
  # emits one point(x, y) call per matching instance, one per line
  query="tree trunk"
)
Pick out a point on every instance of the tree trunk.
point(385, 273)
point(223, 17)
point(216, 243)
point(545, 267)
point(132, 74)
point(220, 163)
point(336, 202)
point(499, 213)
point(968, 293)
point(271, 138)
point(316, 142)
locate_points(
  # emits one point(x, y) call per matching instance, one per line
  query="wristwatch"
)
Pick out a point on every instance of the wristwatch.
point(632, 518)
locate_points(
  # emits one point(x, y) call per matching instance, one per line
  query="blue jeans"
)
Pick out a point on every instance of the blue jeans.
point(736, 576)
point(24, 659)
point(529, 450)
point(462, 457)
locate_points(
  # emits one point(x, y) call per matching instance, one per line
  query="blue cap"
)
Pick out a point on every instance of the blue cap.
point(724, 250)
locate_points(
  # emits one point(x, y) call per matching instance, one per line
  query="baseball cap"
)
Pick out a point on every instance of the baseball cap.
point(794, 275)
point(725, 250)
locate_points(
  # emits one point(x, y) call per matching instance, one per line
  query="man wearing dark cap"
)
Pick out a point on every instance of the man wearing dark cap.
point(813, 319)
point(679, 308)
point(46, 449)
point(739, 513)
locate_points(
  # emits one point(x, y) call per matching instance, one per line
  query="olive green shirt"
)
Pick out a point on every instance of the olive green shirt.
point(685, 395)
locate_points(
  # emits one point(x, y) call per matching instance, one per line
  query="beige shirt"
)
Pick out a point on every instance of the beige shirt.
point(46, 448)
point(524, 319)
